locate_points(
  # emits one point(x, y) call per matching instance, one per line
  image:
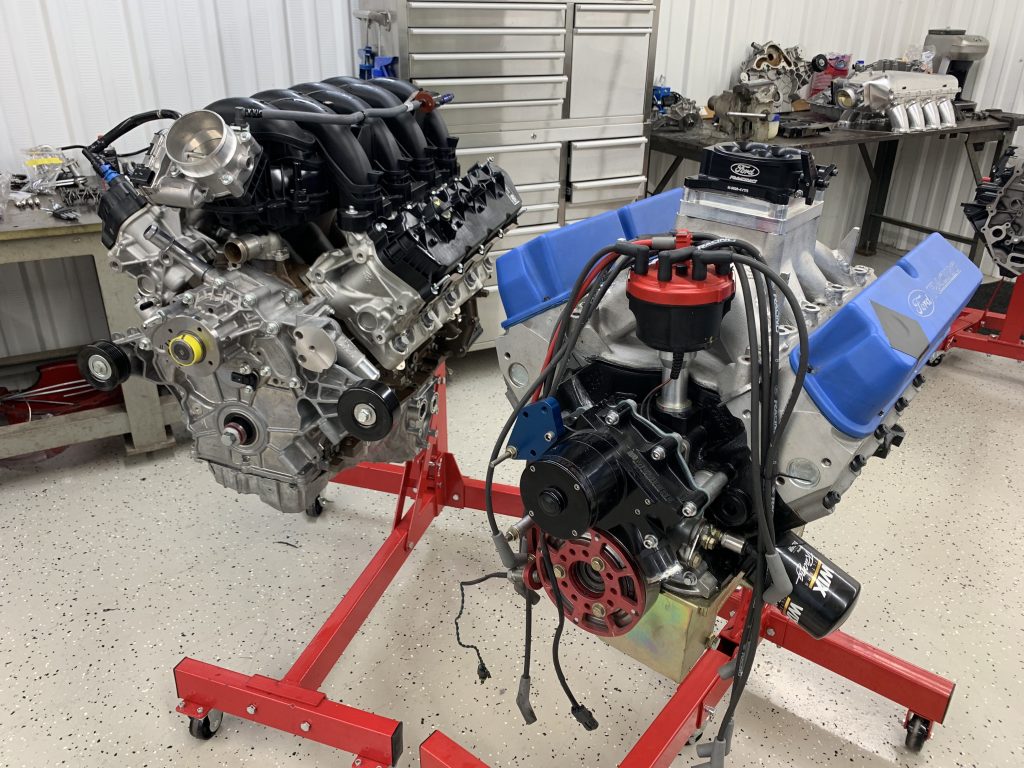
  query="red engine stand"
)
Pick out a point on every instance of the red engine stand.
point(293, 703)
point(967, 330)
point(433, 481)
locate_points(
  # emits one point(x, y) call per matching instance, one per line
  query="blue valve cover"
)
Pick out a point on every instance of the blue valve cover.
point(867, 354)
point(539, 274)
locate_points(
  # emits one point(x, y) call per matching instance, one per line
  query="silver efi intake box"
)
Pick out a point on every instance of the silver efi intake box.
point(783, 228)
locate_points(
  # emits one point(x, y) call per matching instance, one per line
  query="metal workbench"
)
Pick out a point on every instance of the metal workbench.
point(35, 235)
point(974, 134)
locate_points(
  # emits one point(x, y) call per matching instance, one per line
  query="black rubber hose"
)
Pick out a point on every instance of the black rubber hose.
point(130, 124)
point(403, 126)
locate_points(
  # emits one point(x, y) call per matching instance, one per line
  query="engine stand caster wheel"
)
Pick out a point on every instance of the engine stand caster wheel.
point(316, 508)
point(204, 727)
point(917, 733)
point(695, 737)
point(936, 360)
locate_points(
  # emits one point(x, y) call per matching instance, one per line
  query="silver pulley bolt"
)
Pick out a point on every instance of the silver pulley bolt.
point(650, 541)
point(365, 414)
point(689, 509)
point(100, 368)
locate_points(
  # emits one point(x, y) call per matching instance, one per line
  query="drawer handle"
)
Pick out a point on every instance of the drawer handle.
point(544, 187)
point(610, 31)
point(545, 31)
point(511, 148)
point(489, 6)
point(526, 56)
point(603, 8)
point(604, 183)
point(454, 82)
point(583, 146)
point(455, 105)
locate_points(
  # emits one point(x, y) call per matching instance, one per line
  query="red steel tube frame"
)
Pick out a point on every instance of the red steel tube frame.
point(431, 482)
point(969, 329)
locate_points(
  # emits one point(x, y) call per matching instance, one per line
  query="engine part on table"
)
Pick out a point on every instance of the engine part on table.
point(797, 128)
point(304, 259)
point(900, 102)
point(747, 111)
point(838, 65)
point(681, 114)
point(662, 96)
point(955, 54)
point(786, 68)
point(658, 447)
point(997, 212)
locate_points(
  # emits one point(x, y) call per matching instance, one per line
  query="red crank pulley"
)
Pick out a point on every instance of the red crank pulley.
point(603, 591)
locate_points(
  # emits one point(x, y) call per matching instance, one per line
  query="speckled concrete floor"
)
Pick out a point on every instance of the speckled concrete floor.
point(113, 569)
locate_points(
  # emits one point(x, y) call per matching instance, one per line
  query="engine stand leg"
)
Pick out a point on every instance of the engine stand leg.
point(293, 703)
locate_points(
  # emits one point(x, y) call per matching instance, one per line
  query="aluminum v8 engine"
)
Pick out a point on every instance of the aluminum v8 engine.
point(304, 259)
point(696, 397)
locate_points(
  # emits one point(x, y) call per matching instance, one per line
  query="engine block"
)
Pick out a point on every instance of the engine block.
point(997, 212)
point(304, 259)
point(721, 387)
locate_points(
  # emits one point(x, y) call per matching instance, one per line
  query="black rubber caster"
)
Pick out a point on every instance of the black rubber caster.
point(917, 733)
point(936, 360)
point(316, 508)
point(695, 737)
point(204, 727)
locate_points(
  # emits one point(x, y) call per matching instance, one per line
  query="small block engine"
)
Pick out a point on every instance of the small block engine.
point(305, 258)
point(699, 396)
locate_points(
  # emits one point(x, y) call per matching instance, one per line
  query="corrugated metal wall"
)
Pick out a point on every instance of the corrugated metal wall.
point(701, 44)
point(71, 69)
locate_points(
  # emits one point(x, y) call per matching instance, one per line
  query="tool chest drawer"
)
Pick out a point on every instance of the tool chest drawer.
point(609, 72)
point(607, 15)
point(484, 40)
point(540, 203)
point(539, 194)
point(486, 64)
point(606, 158)
point(427, 13)
point(500, 113)
point(526, 163)
point(628, 188)
point(491, 89)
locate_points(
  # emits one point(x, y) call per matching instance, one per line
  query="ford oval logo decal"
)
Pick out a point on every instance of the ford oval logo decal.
point(921, 302)
point(746, 170)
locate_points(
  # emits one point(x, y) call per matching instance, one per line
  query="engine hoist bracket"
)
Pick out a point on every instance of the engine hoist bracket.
point(424, 486)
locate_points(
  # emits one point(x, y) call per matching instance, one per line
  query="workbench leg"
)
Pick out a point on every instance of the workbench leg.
point(878, 194)
point(676, 162)
point(141, 399)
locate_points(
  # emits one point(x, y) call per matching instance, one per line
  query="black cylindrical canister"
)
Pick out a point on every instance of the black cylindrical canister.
point(823, 594)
